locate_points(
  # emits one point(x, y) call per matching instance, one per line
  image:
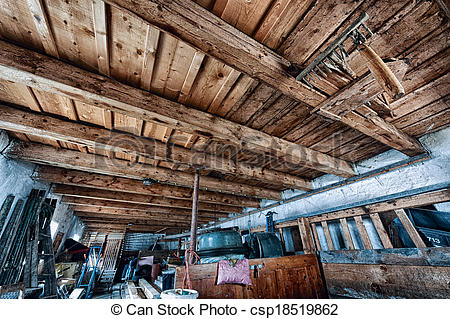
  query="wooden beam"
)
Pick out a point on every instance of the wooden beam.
point(409, 227)
point(39, 15)
point(353, 97)
point(136, 222)
point(151, 212)
point(127, 216)
point(42, 154)
point(111, 183)
point(144, 207)
point(101, 35)
point(327, 235)
point(99, 138)
point(51, 75)
point(229, 45)
point(316, 237)
point(99, 194)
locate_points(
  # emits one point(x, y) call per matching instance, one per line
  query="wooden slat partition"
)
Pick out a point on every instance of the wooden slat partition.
point(281, 277)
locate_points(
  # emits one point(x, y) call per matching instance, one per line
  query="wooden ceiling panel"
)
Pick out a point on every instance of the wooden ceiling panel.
point(72, 25)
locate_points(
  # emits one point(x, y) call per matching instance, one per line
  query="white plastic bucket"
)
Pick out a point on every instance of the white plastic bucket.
point(177, 294)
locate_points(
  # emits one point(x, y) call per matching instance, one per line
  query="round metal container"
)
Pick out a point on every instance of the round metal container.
point(266, 245)
point(220, 243)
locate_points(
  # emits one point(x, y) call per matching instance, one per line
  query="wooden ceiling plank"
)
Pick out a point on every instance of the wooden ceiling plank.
point(101, 35)
point(38, 12)
point(151, 47)
point(103, 92)
point(151, 211)
point(100, 164)
point(106, 182)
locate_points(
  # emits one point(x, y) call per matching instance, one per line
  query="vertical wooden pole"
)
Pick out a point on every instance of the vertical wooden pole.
point(193, 239)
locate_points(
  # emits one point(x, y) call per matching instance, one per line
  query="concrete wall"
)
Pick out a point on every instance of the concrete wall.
point(430, 172)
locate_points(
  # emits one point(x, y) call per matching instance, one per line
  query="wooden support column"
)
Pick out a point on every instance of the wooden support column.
point(193, 240)
point(409, 227)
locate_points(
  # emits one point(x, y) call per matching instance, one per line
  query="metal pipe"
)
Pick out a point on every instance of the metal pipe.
point(193, 239)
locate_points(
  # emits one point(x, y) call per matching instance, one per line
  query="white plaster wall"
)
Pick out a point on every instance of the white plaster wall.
point(427, 173)
point(15, 176)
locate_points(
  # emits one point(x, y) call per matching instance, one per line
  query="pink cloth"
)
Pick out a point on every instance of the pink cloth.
point(146, 260)
point(237, 274)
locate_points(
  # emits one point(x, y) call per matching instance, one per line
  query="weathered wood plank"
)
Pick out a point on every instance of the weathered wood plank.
point(384, 237)
point(424, 199)
point(149, 291)
point(433, 256)
point(387, 281)
point(363, 232)
point(99, 194)
point(316, 237)
point(124, 205)
point(99, 138)
point(409, 227)
point(37, 11)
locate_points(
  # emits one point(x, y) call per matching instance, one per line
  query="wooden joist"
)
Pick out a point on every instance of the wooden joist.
point(155, 211)
point(53, 128)
point(44, 73)
point(236, 49)
point(112, 183)
point(65, 158)
point(99, 194)
point(80, 201)
point(127, 215)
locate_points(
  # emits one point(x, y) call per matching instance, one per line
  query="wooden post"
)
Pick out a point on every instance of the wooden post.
point(363, 232)
point(193, 239)
point(316, 237)
point(347, 235)
point(305, 234)
point(384, 237)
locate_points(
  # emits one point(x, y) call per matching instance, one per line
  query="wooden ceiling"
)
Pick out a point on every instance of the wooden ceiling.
point(207, 85)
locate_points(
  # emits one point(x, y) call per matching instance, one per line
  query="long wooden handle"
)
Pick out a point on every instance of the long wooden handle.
point(381, 72)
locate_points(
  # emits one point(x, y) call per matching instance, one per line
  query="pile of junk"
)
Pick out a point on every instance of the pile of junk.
point(229, 244)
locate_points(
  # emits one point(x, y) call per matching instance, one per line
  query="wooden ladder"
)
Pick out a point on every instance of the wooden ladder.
point(40, 247)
